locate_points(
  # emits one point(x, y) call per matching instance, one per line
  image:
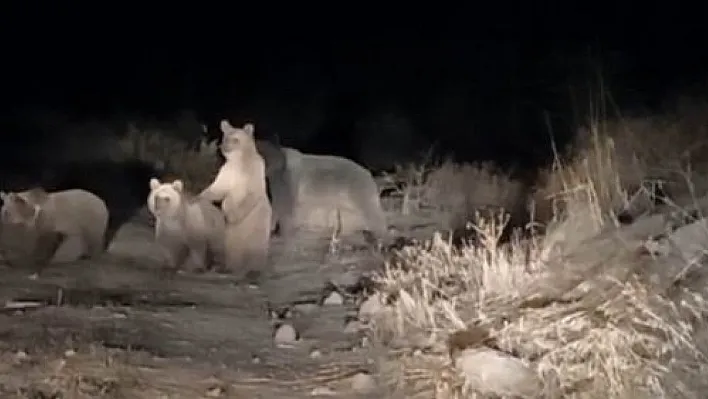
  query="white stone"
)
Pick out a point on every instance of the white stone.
point(322, 391)
point(353, 327)
point(363, 383)
point(372, 306)
point(305, 308)
point(491, 372)
point(285, 334)
point(334, 299)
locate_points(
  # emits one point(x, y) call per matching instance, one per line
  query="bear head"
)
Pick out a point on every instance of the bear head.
point(165, 199)
point(237, 143)
point(22, 207)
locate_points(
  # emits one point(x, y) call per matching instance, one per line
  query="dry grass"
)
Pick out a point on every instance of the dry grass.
point(452, 192)
point(575, 306)
point(617, 157)
point(96, 372)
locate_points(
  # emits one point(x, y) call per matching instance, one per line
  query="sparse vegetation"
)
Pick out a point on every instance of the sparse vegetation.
point(579, 309)
point(577, 306)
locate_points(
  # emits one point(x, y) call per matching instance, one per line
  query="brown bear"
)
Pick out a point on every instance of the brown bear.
point(321, 193)
point(240, 186)
point(49, 220)
point(186, 226)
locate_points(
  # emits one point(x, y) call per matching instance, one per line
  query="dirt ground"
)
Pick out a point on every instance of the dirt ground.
point(116, 328)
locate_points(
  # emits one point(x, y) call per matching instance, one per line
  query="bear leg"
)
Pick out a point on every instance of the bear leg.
point(246, 249)
point(198, 253)
point(94, 244)
point(234, 242)
point(375, 217)
point(175, 255)
point(282, 202)
point(215, 258)
point(46, 247)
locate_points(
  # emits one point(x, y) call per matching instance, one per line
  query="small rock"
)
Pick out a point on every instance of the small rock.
point(215, 392)
point(370, 307)
point(21, 356)
point(305, 308)
point(353, 327)
point(285, 334)
point(501, 375)
point(347, 279)
point(255, 359)
point(322, 391)
point(363, 383)
point(315, 354)
point(334, 299)
point(69, 353)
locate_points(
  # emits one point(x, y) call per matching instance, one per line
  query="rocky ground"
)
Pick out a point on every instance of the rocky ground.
point(114, 327)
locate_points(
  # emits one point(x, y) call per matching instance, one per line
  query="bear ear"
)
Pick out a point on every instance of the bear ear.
point(226, 127)
point(178, 185)
point(154, 183)
point(36, 196)
point(249, 128)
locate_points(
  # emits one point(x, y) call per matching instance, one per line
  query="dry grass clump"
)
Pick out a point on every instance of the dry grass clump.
point(622, 158)
point(454, 193)
point(606, 334)
point(96, 372)
point(196, 166)
point(576, 306)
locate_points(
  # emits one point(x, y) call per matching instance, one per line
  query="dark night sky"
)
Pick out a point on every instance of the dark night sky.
point(488, 70)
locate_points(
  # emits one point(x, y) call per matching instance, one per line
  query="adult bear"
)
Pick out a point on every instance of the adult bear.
point(240, 186)
point(320, 192)
point(48, 220)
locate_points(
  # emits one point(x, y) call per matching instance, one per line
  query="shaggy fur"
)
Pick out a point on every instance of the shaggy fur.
point(50, 219)
point(185, 226)
point(240, 186)
point(321, 192)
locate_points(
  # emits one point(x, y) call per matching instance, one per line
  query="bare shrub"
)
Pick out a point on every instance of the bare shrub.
point(589, 326)
point(454, 193)
point(196, 166)
point(576, 306)
point(619, 156)
point(457, 192)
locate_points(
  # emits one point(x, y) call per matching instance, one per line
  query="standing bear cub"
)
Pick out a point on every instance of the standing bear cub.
point(186, 226)
point(48, 220)
point(240, 186)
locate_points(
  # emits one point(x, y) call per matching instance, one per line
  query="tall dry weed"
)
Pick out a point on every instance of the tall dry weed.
point(454, 193)
point(606, 334)
point(617, 157)
point(575, 306)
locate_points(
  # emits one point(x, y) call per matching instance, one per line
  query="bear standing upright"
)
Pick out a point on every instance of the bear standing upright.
point(240, 186)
